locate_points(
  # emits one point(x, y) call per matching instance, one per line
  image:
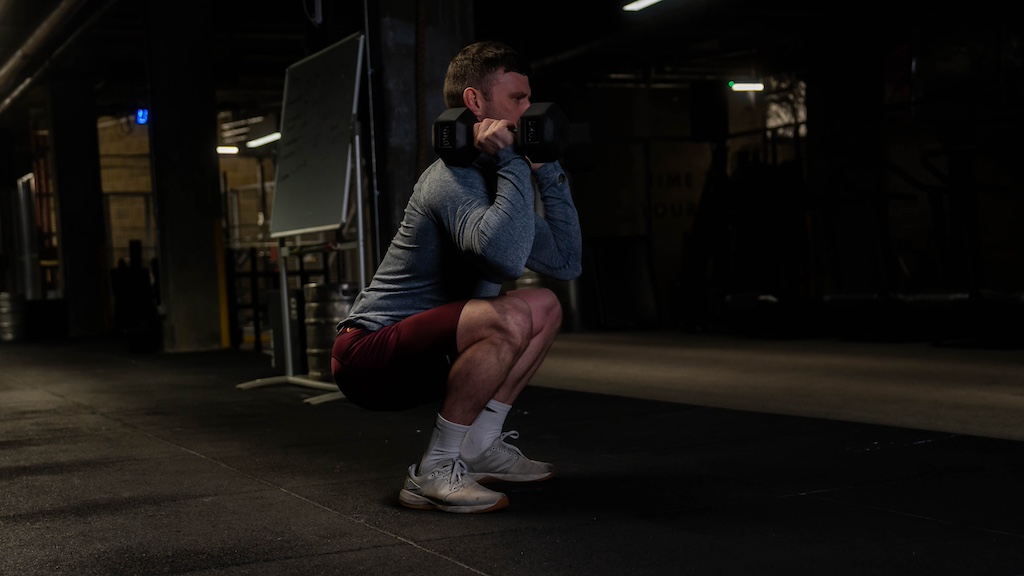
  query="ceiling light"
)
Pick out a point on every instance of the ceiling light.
point(243, 122)
point(272, 137)
point(639, 5)
point(227, 149)
point(746, 86)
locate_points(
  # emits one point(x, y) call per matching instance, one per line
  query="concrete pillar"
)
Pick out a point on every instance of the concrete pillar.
point(183, 140)
point(12, 166)
point(15, 159)
point(84, 265)
point(410, 50)
point(847, 152)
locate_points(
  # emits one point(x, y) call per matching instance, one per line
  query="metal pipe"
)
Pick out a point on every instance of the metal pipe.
point(38, 40)
point(26, 240)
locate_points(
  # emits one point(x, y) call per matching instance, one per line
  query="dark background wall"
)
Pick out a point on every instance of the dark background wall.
point(886, 206)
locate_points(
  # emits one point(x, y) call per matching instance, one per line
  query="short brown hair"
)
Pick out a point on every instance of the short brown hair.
point(473, 67)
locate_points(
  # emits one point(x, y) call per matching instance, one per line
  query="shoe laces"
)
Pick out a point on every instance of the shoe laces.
point(458, 469)
point(513, 434)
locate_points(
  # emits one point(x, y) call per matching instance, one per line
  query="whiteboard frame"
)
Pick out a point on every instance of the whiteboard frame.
point(289, 138)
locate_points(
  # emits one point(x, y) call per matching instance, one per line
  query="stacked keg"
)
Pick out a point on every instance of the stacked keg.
point(326, 306)
point(11, 317)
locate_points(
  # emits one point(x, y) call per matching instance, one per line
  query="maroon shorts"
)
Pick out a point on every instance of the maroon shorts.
point(399, 366)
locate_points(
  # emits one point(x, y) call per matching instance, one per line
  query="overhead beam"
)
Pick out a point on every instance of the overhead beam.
point(37, 41)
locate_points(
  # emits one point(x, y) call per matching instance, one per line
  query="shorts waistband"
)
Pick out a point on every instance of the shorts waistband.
point(347, 326)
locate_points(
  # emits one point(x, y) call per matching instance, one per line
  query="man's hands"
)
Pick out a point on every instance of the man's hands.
point(541, 133)
point(490, 135)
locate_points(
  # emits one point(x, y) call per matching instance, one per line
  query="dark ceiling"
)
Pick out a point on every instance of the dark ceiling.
point(598, 41)
point(253, 41)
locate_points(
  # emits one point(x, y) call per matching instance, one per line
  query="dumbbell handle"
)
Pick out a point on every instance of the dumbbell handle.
point(541, 135)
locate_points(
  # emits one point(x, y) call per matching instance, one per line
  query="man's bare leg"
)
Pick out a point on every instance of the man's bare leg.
point(493, 335)
point(503, 342)
point(487, 455)
point(546, 313)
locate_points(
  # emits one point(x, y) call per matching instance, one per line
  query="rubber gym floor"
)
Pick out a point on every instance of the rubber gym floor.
point(675, 454)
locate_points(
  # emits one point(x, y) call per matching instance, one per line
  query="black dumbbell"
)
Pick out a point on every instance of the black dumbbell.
point(541, 135)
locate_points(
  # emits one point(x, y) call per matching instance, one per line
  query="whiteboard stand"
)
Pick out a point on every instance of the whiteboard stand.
point(289, 375)
point(320, 104)
point(289, 370)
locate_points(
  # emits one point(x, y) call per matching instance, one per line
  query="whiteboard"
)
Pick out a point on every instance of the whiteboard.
point(318, 115)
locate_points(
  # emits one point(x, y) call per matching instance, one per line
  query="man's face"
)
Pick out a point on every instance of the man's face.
point(509, 98)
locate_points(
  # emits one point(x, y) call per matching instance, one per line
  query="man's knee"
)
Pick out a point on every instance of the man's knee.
point(503, 319)
point(515, 321)
point(553, 309)
point(545, 305)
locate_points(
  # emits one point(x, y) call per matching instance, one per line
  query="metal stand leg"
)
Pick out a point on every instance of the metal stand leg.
point(289, 372)
point(289, 377)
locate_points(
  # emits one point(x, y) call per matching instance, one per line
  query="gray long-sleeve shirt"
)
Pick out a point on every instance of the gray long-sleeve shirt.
point(466, 230)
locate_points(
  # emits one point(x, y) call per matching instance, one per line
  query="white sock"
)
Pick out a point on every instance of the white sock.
point(444, 444)
point(485, 429)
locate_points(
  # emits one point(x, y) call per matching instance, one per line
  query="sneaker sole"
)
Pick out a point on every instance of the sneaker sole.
point(417, 502)
point(481, 478)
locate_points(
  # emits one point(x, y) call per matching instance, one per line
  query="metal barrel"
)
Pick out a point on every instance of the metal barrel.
point(326, 306)
point(12, 324)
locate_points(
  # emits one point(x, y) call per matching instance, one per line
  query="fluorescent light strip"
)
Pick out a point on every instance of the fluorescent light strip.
point(273, 137)
point(639, 5)
point(227, 149)
point(746, 86)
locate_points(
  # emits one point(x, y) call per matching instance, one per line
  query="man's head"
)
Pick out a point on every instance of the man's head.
point(489, 78)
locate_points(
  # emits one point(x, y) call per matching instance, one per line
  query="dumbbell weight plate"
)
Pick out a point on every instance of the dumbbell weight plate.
point(543, 132)
point(452, 137)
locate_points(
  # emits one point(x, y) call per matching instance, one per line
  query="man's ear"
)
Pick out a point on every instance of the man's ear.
point(473, 100)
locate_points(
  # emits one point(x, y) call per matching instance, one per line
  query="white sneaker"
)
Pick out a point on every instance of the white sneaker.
point(505, 462)
point(447, 488)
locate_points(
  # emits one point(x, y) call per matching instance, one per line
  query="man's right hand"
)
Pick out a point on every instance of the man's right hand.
point(490, 135)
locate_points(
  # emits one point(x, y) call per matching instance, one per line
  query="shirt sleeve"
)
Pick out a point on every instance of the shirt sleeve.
point(557, 244)
point(495, 233)
point(502, 232)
